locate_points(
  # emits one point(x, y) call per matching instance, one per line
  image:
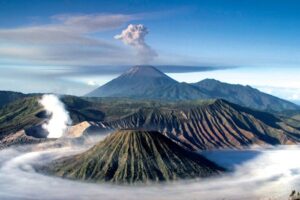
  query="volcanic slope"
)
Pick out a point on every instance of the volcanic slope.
point(134, 156)
point(147, 82)
point(211, 125)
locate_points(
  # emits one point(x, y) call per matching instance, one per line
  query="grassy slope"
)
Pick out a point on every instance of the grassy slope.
point(129, 156)
point(18, 115)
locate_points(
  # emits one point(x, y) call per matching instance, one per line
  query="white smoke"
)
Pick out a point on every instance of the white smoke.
point(59, 121)
point(134, 35)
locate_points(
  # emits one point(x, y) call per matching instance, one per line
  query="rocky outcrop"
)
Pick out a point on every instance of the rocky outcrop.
point(18, 138)
point(77, 130)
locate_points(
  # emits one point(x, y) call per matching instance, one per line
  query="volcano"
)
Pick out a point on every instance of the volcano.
point(147, 82)
point(134, 156)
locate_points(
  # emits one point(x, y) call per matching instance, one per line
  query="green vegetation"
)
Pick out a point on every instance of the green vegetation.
point(133, 156)
point(19, 114)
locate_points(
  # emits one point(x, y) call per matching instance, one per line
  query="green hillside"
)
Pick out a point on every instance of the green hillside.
point(134, 156)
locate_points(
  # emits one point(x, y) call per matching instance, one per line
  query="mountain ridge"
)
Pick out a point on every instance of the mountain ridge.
point(244, 95)
point(218, 124)
point(147, 82)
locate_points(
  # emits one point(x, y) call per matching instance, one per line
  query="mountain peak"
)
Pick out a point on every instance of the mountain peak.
point(136, 82)
point(144, 70)
point(208, 81)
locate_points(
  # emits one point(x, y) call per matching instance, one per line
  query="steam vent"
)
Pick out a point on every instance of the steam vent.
point(134, 156)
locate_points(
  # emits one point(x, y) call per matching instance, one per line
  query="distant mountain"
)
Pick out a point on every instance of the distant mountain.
point(146, 82)
point(297, 102)
point(134, 156)
point(244, 95)
point(9, 96)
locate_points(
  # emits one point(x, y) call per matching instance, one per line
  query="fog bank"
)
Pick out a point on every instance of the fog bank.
point(256, 174)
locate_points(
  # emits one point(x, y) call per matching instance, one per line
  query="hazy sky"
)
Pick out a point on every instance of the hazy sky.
point(45, 46)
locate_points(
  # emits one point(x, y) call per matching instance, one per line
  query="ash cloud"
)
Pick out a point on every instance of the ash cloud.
point(60, 119)
point(134, 36)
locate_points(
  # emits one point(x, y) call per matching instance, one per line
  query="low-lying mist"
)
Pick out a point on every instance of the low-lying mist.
point(269, 173)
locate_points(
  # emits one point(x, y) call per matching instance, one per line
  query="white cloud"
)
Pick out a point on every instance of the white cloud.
point(292, 94)
point(92, 83)
point(134, 35)
point(67, 39)
point(93, 22)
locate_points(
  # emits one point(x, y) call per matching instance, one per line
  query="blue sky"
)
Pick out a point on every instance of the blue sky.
point(258, 39)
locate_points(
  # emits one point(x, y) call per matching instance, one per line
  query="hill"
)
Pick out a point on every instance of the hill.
point(9, 96)
point(134, 156)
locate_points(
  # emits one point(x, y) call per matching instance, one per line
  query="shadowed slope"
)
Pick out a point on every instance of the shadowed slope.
point(147, 82)
point(9, 96)
point(219, 124)
point(131, 156)
point(244, 96)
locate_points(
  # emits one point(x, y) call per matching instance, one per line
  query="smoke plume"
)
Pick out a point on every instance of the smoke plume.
point(59, 121)
point(134, 36)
